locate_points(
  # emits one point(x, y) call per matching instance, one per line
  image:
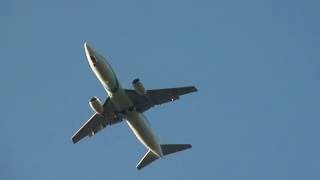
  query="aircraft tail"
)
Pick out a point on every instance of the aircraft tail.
point(149, 157)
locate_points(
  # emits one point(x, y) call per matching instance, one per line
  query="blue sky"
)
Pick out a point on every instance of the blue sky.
point(256, 65)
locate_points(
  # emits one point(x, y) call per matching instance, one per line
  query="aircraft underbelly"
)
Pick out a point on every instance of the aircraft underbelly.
point(120, 100)
point(142, 130)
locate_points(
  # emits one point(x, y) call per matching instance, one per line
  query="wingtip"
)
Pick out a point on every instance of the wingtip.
point(195, 88)
point(74, 141)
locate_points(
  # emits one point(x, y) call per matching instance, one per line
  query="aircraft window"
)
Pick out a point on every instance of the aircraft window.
point(93, 59)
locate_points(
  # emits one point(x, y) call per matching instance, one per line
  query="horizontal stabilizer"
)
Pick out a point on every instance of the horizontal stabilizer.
point(172, 148)
point(149, 157)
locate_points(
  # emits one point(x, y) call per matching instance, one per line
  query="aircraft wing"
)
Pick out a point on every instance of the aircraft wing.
point(157, 96)
point(97, 122)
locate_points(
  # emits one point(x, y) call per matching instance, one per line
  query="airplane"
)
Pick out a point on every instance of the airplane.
point(128, 105)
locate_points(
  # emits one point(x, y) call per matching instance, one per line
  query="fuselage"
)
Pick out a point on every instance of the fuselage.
point(136, 120)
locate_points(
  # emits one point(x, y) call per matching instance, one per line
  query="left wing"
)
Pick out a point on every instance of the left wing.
point(157, 96)
point(97, 122)
point(92, 126)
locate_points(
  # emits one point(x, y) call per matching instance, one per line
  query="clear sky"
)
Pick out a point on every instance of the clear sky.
point(256, 65)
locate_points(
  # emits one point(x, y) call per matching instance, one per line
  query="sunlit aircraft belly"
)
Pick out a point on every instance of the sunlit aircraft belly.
point(142, 129)
point(115, 92)
point(136, 121)
point(108, 79)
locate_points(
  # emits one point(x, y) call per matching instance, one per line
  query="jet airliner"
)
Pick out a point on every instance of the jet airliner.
point(128, 105)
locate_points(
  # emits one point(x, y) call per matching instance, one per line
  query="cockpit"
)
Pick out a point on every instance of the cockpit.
point(93, 59)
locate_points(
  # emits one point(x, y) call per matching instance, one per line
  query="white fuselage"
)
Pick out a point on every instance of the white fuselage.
point(136, 120)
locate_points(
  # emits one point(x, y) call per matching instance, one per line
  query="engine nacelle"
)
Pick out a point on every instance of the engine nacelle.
point(138, 87)
point(96, 105)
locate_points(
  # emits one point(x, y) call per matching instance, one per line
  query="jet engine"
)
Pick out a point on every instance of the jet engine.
point(138, 87)
point(96, 105)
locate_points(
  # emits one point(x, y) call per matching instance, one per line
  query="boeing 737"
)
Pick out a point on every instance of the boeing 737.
point(128, 105)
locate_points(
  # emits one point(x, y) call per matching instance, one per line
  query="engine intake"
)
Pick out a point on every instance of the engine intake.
point(96, 105)
point(138, 87)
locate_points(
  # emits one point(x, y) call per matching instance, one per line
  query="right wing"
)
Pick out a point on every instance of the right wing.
point(160, 96)
point(97, 122)
point(157, 96)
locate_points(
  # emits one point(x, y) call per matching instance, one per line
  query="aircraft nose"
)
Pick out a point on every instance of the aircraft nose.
point(90, 53)
point(87, 48)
